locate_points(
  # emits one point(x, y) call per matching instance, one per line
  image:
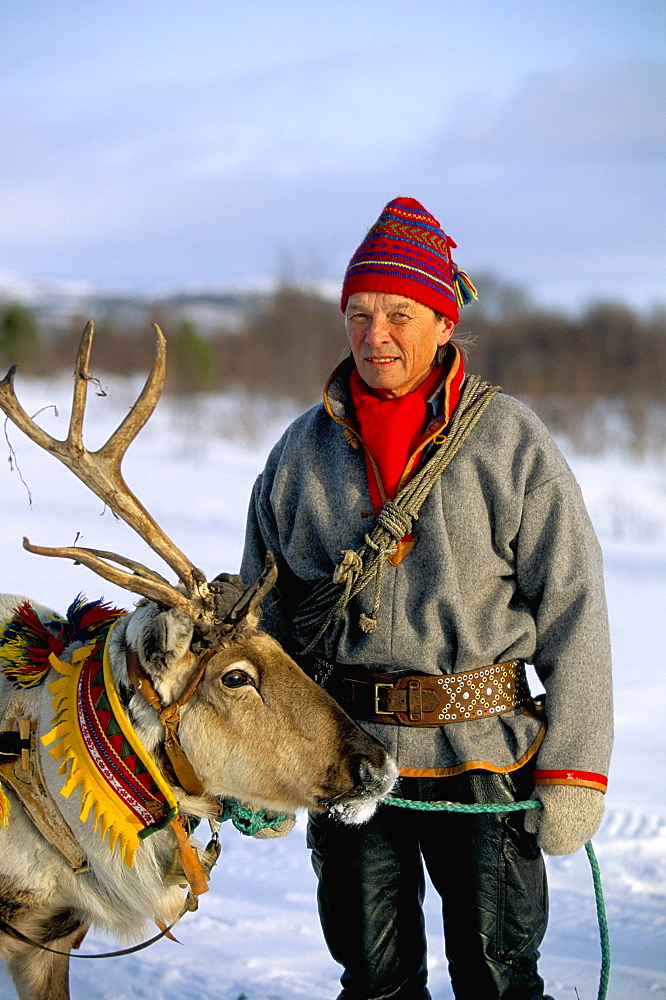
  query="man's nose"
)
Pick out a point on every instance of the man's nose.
point(377, 332)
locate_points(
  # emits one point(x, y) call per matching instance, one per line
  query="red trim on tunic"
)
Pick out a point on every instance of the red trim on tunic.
point(589, 779)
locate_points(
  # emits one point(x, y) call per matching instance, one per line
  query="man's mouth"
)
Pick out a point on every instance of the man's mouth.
point(380, 361)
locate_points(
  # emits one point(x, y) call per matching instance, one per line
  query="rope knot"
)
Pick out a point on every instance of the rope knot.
point(170, 715)
point(395, 521)
point(367, 624)
point(350, 564)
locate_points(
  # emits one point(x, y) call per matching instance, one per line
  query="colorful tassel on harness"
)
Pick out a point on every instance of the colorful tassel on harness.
point(26, 644)
point(87, 619)
point(4, 809)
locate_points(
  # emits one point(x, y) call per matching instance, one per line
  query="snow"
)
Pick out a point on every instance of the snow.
point(256, 934)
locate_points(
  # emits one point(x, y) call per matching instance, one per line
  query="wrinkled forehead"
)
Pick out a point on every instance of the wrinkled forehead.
point(382, 301)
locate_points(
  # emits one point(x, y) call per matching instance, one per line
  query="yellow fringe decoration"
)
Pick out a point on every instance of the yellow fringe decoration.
point(111, 815)
point(4, 809)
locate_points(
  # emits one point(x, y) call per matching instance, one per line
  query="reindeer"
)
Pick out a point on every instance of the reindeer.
point(216, 707)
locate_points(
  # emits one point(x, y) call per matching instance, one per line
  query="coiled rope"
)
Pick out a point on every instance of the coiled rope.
point(327, 601)
point(249, 820)
point(497, 807)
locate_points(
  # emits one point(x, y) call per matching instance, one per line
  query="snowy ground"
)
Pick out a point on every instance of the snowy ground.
point(256, 934)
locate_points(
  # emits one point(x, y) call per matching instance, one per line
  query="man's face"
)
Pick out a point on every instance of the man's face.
point(394, 340)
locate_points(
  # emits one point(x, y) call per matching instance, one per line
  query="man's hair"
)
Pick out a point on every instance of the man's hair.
point(463, 341)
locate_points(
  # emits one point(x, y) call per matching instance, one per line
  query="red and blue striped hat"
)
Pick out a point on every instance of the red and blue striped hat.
point(408, 253)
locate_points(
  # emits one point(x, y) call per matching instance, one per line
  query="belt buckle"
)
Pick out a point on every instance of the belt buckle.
point(378, 710)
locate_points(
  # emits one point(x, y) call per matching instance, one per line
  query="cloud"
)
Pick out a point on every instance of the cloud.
point(560, 183)
point(610, 110)
point(221, 179)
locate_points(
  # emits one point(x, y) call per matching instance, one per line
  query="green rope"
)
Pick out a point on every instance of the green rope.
point(248, 820)
point(474, 807)
point(497, 807)
point(602, 920)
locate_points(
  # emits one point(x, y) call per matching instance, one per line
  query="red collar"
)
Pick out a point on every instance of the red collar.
point(395, 431)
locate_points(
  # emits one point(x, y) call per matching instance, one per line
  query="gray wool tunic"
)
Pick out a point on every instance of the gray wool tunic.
point(505, 566)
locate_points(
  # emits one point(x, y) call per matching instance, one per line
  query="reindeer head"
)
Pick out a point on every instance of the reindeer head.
point(194, 649)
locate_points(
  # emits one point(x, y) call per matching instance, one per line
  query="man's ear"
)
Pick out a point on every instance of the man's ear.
point(447, 331)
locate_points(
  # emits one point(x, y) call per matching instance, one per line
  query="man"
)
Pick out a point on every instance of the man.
point(430, 540)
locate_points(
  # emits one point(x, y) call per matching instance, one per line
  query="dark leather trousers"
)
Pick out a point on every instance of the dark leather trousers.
point(486, 868)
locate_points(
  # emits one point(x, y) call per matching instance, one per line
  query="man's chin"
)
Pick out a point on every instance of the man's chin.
point(387, 377)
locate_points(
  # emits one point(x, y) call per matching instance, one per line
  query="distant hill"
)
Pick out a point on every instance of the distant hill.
point(56, 304)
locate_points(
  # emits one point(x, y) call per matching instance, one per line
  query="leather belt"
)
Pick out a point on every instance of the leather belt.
point(431, 700)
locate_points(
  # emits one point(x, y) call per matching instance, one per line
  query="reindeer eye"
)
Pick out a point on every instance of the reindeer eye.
point(236, 679)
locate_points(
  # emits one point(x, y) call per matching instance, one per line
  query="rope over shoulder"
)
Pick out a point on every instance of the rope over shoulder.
point(328, 599)
point(394, 520)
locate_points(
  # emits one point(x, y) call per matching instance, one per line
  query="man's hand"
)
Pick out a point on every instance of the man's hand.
point(570, 816)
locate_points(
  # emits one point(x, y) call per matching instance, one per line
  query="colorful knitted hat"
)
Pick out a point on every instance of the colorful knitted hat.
point(407, 253)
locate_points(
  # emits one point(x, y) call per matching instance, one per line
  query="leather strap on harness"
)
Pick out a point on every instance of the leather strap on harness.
point(169, 715)
point(21, 771)
point(431, 700)
point(195, 873)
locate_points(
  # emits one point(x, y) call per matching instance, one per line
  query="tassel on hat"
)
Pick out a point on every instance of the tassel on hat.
point(465, 291)
point(408, 253)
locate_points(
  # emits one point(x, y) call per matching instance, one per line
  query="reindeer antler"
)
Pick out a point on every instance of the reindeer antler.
point(100, 471)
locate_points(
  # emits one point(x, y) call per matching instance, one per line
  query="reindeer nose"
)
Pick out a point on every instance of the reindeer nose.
point(376, 777)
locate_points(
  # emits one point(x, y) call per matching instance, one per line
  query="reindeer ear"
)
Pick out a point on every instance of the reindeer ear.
point(161, 636)
point(246, 612)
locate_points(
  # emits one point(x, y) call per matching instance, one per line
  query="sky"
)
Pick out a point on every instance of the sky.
point(150, 146)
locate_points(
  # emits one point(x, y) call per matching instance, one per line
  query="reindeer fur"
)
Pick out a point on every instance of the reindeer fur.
point(278, 742)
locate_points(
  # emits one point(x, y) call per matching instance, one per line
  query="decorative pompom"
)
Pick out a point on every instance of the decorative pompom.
point(88, 618)
point(26, 644)
point(463, 287)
